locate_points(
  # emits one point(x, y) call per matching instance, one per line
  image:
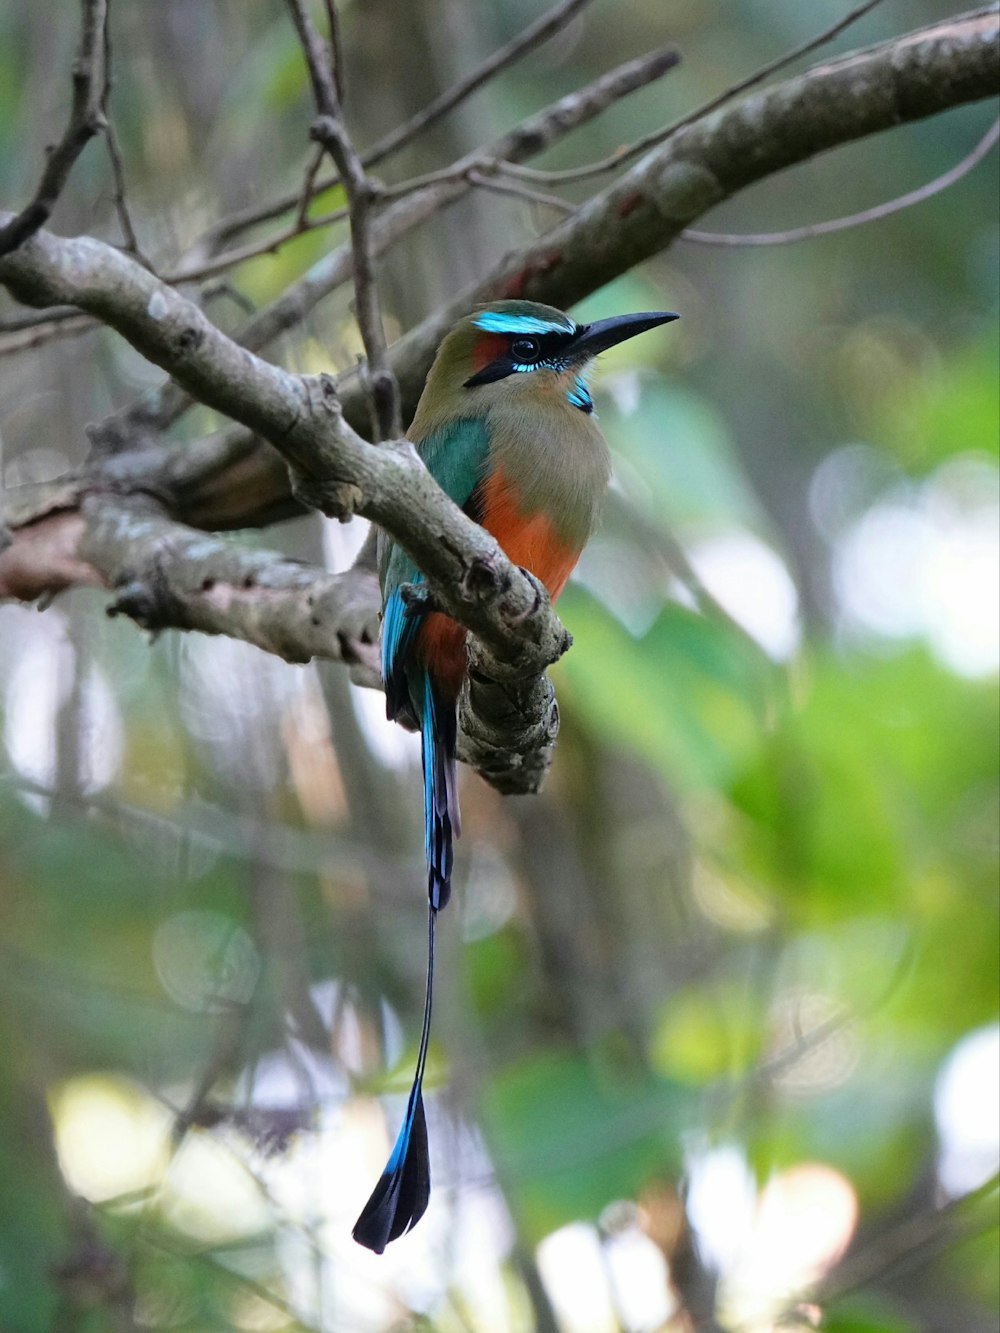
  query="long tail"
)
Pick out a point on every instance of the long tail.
point(400, 1198)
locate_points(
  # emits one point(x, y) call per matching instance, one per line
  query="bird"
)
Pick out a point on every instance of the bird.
point(506, 426)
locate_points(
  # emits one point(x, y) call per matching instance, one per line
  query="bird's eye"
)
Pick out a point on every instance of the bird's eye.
point(525, 350)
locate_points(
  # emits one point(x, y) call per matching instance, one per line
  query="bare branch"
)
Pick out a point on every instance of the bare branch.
point(936, 186)
point(27, 332)
point(643, 145)
point(308, 189)
point(329, 130)
point(85, 120)
point(499, 186)
point(945, 64)
point(532, 36)
point(914, 1238)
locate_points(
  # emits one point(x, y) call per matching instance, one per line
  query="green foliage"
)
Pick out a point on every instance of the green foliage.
point(688, 694)
point(571, 1136)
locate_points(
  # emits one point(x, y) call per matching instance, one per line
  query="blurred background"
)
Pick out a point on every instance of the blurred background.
point(717, 1012)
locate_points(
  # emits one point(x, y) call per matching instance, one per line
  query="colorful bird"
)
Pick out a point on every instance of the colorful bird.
point(506, 427)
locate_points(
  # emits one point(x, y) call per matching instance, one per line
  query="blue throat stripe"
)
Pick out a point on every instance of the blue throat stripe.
point(579, 396)
point(495, 321)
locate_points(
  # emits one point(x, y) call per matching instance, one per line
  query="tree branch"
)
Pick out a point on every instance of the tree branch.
point(532, 136)
point(875, 214)
point(623, 156)
point(85, 120)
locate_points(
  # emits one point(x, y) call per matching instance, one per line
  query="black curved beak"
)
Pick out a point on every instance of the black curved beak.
point(598, 337)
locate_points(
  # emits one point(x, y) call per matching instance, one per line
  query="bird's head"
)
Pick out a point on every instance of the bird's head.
point(523, 348)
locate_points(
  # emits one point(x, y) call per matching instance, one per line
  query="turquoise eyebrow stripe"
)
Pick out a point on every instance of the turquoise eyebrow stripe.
point(493, 322)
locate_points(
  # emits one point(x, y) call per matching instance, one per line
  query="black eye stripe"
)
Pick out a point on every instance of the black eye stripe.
point(546, 353)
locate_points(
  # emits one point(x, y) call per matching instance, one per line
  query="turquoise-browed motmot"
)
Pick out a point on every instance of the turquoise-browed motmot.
point(506, 426)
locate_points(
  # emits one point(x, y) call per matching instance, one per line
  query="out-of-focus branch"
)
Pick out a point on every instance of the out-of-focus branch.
point(85, 120)
point(914, 1238)
point(532, 36)
point(943, 65)
point(334, 469)
point(875, 214)
point(329, 130)
point(417, 203)
point(623, 156)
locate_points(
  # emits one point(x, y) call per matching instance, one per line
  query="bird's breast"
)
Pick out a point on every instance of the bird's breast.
point(531, 539)
point(547, 473)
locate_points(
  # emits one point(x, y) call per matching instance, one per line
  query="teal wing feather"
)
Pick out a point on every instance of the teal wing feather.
point(456, 456)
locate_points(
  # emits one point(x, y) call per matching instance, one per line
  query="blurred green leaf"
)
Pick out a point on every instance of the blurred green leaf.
point(570, 1138)
point(689, 694)
point(680, 447)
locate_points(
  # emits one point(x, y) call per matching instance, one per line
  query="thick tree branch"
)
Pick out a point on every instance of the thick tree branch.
point(300, 416)
point(168, 576)
point(944, 65)
point(532, 136)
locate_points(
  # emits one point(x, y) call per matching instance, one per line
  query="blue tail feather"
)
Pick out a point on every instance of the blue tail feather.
point(438, 732)
point(400, 1198)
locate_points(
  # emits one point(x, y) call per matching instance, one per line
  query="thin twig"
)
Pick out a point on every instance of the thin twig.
point(936, 186)
point(528, 40)
point(336, 49)
point(121, 206)
point(624, 155)
point(329, 130)
point(85, 120)
point(19, 323)
point(240, 254)
point(520, 192)
point(308, 188)
point(38, 332)
point(532, 36)
point(117, 159)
